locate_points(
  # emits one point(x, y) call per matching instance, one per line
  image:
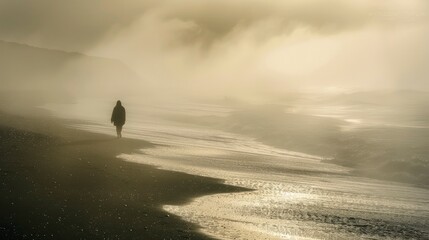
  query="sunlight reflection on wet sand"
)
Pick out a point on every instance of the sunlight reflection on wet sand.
point(294, 201)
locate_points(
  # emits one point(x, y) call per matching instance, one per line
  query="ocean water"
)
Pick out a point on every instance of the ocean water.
point(294, 195)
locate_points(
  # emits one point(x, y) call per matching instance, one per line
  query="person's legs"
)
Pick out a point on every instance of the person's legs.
point(119, 131)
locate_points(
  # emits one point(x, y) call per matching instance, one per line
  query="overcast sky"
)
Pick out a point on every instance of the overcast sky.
point(242, 47)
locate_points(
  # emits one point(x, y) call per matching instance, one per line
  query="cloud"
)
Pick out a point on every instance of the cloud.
point(240, 47)
point(79, 24)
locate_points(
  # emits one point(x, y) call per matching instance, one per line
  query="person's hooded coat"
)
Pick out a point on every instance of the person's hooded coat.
point(118, 115)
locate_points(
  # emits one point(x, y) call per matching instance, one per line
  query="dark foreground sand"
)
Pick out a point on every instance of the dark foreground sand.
point(63, 183)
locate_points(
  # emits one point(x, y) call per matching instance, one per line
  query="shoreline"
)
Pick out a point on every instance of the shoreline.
point(68, 183)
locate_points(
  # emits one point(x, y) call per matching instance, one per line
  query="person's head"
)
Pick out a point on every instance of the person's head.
point(118, 103)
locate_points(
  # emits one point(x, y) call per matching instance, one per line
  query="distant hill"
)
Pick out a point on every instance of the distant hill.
point(46, 72)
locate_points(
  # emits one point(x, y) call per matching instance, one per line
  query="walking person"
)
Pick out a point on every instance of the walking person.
point(118, 118)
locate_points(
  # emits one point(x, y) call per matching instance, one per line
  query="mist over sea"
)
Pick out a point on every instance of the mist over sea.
point(297, 193)
point(320, 109)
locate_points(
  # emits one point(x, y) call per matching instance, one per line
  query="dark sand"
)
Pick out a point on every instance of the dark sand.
point(62, 183)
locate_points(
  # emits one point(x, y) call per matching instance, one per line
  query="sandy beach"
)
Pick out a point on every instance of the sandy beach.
point(63, 183)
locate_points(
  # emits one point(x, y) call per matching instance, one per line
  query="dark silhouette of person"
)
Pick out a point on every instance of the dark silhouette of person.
point(118, 118)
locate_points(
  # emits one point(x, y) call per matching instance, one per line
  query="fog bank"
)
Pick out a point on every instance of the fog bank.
point(244, 49)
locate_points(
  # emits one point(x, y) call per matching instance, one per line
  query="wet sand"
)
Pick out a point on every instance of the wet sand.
point(65, 183)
